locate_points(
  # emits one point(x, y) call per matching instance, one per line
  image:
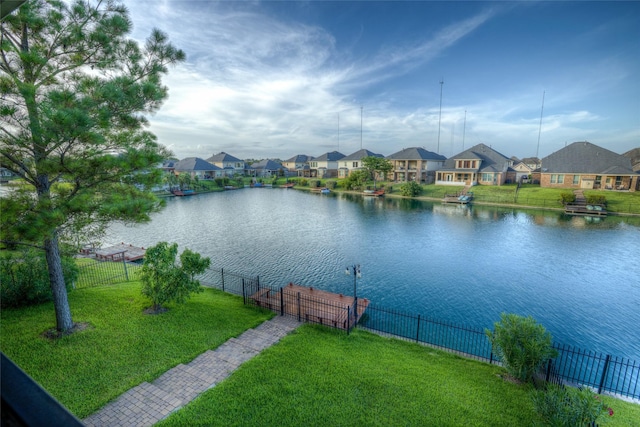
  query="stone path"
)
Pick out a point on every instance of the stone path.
point(148, 403)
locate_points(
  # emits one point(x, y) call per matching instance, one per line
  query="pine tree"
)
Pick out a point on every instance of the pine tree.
point(73, 94)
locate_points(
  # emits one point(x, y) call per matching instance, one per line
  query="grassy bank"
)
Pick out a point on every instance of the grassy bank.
point(122, 346)
point(315, 376)
point(319, 377)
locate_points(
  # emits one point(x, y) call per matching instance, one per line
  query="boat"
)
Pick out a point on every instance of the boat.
point(322, 190)
point(373, 193)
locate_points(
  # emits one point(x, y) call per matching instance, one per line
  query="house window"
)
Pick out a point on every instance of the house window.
point(487, 177)
point(354, 165)
point(557, 179)
point(618, 181)
point(598, 181)
point(473, 164)
point(314, 164)
point(576, 179)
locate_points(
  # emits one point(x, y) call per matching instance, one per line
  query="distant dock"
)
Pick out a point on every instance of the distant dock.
point(116, 252)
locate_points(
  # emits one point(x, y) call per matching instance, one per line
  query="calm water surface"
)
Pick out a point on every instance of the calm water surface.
point(580, 279)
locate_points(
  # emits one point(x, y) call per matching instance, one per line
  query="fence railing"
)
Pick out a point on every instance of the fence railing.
point(605, 373)
point(95, 272)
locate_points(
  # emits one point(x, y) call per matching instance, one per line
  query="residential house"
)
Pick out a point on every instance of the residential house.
point(267, 168)
point(588, 166)
point(415, 164)
point(353, 162)
point(230, 165)
point(297, 164)
point(198, 167)
point(524, 168)
point(479, 164)
point(324, 166)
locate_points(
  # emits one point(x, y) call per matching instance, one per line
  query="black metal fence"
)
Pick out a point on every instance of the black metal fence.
point(602, 372)
point(94, 272)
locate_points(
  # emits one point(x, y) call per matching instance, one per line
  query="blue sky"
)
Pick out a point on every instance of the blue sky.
point(276, 79)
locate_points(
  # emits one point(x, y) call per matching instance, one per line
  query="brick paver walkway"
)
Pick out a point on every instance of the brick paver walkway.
point(148, 403)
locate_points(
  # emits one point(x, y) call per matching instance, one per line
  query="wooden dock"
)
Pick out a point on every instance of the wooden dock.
point(120, 252)
point(312, 305)
point(588, 210)
point(461, 199)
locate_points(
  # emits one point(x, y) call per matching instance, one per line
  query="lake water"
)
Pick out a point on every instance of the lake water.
point(579, 278)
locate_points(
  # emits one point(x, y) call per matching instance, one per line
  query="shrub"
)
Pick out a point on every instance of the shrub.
point(314, 183)
point(164, 279)
point(24, 278)
point(594, 199)
point(410, 189)
point(568, 406)
point(303, 182)
point(331, 184)
point(522, 344)
point(567, 198)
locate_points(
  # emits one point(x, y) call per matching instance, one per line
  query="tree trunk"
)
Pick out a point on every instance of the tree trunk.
point(58, 287)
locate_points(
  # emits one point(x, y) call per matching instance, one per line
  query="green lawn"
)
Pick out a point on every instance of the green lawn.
point(320, 377)
point(123, 346)
point(315, 376)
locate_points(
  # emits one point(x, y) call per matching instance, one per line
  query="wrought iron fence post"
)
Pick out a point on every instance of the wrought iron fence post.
point(124, 263)
point(299, 314)
point(244, 298)
point(222, 276)
point(281, 301)
point(348, 319)
point(418, 330)
point(549, 365)
point(604, 372)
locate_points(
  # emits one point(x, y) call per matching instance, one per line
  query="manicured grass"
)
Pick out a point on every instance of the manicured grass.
point(123, 346)
point(319, 377)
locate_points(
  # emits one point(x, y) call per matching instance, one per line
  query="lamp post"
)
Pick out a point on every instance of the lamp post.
point(357, 274)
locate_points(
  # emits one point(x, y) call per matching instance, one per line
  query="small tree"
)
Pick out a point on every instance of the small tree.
point(164, 279)
point(374, 165)
point(522, 344)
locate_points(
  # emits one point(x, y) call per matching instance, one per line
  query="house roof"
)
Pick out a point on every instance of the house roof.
point(223, 157)
point(415, 153)
point(492, 161)
point(585, 157)
point(267, 164)
point(194, 164)
point(329, 157)
point(300, 158)
point(361, 154)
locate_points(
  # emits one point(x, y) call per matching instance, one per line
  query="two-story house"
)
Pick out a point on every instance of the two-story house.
point(415, 164)
point(297, 164)
point(353, 162)
point(524, 168)
point(324, 166)
point(588, 166)
point(230, 165)
point(479, 164)
point(267, 168)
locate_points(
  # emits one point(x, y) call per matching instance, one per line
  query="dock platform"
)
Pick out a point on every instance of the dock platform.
point(589, 210)
point(312, 305)
point(118, 252)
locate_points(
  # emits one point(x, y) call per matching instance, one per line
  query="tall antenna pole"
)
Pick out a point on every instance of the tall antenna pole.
point(361, 107)
point(540, 128)
point(464, 128)
point(338, 131)
point(440, 116)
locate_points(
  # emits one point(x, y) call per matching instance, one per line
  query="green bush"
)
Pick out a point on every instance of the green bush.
point(567, 198)
point(314, 183)
point(522, 344)
point(410, 189)
point(568, 406)
point(24, 278)
point(594, 199)
point(331, 185)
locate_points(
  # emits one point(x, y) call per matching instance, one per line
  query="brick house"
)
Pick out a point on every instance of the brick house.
point(583, 165)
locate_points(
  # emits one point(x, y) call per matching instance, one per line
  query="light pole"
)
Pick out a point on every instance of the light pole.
point(357, 274)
